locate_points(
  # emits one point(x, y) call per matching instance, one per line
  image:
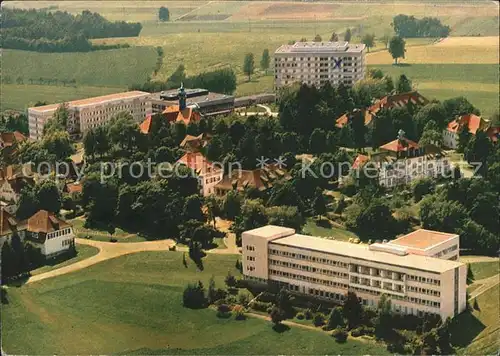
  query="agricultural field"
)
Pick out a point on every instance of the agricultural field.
point(132, 304)
point(206, 35)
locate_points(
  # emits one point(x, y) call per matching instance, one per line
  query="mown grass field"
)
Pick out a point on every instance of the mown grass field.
point(205, 35)
point(132, 304)
point(478, 332)
point(482, 270)
point(84, 251)
point(340, 234)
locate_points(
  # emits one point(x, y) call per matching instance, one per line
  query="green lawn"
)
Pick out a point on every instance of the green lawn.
point(20, 97)
point(338, 233)
point(109, 68)
point(478, 332)
point(84, 251)
point(133, 304)
point(477, 82)
point(482, 270)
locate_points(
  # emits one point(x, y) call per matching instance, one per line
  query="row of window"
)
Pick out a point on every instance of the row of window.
point(309, 268)
point(300, 277)
point(308, 258)
point(68, 242)
point(446, 250)
point(58, 233)
point(420, 279)
point(250, 258)
point(432, 292)
point(250, 248)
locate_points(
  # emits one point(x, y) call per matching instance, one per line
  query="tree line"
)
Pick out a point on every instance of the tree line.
point(408, 26)
point(45, 31)
point(219, 81)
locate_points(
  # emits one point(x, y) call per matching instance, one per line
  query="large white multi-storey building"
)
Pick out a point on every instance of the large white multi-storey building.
point(416, 271)
point(89, 113)
point(315, 63)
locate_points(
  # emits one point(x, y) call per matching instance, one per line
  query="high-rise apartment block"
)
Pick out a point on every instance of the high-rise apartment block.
point(419, 272)
point(315, 63)
point(89, 113)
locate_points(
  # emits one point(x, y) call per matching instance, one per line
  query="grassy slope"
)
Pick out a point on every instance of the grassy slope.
point(338, 233)
point(134, 302)
point(84, 251)
point(109, 68)
point(482, 270)
point(478, 333)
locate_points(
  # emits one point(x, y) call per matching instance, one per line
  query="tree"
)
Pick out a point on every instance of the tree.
point(319, 203)
point(385, 39)
point(58, 144)
point(164, 14)
point(403, 85)
point(248, 65)
point(193, 296)
point(369, 41)
point(470, 274)
point(478, 151)
point(192, 208)
point(334, 37)
point(347, 35)
point(265, 60)
point(397, 48)
point(464, 136)
point(230, 280)
point(335, 320)
point(59, 120)
point(48, 196)
point(231, 206)
point(422, 187)
point(288, 216)
point(212, 291)
point(317, 38)
point(317, 141)
point(184, 261)
point(459, 106)
point(383, 322)
point(430, 112)
point(352, 310)
point(431, 135)
point(213, 208)
point(277, 316)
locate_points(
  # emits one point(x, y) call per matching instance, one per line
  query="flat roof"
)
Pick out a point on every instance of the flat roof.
point(363, 252)
point(271, 231)
point(422, 239)
point(321, 47)
point(190, 100)
point(93, 101)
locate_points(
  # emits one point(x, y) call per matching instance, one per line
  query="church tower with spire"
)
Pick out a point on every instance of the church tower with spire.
point(182, 97)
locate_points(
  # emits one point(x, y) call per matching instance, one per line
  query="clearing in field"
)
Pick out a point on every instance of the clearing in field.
point(450, 50)
point(132, 304)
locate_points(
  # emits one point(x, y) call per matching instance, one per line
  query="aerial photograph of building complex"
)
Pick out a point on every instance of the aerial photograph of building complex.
point(225, 177)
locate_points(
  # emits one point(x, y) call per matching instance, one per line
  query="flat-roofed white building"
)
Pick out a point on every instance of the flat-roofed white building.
point(86, 114)
point(416, 283)
point(315, 63)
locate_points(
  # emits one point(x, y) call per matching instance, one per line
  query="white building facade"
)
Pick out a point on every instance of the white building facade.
point(328, 269)
point(89, 113)
point(208, 174)
point(50, 233)
point(315, 63)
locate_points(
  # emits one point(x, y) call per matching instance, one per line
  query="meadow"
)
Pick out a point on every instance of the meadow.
point(132, 304)
point(205, 35)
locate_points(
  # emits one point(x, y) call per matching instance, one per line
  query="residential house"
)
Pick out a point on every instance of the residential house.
point(472, 122)
point(9, 226)
point(50, 233)
point(12, 180)
point(209, 175)
point(402, 161)
point(260, 179)
point(194, 143)
point(9, 143)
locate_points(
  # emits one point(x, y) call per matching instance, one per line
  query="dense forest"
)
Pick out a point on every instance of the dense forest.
point(43, 31)
point(408, 26)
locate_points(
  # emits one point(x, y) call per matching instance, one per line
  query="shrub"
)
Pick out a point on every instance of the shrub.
point(308, 314)
point(340, 335)
point(239, 312)
point(318, 319)
point(300, 316)
point(243, 299)
point(261, 306)
point(223, 311)
point(362, 330)
point(112, 239)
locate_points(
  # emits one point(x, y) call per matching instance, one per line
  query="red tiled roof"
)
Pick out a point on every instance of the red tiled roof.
point(10, 138)
point(187, 115)
point(472, 121)
point(74, 188)
point(360, 161)
point(399, 100)
point(45, 222)
point(399, 145)
point(422, 239)
point(195, 160)
point(8, 224)
point(344, 119)
point(145, 126)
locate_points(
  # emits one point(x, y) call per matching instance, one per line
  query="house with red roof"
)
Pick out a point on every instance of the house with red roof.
point(208, 174)
point(402, 161)
point(471, 122)
point(12, 180)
